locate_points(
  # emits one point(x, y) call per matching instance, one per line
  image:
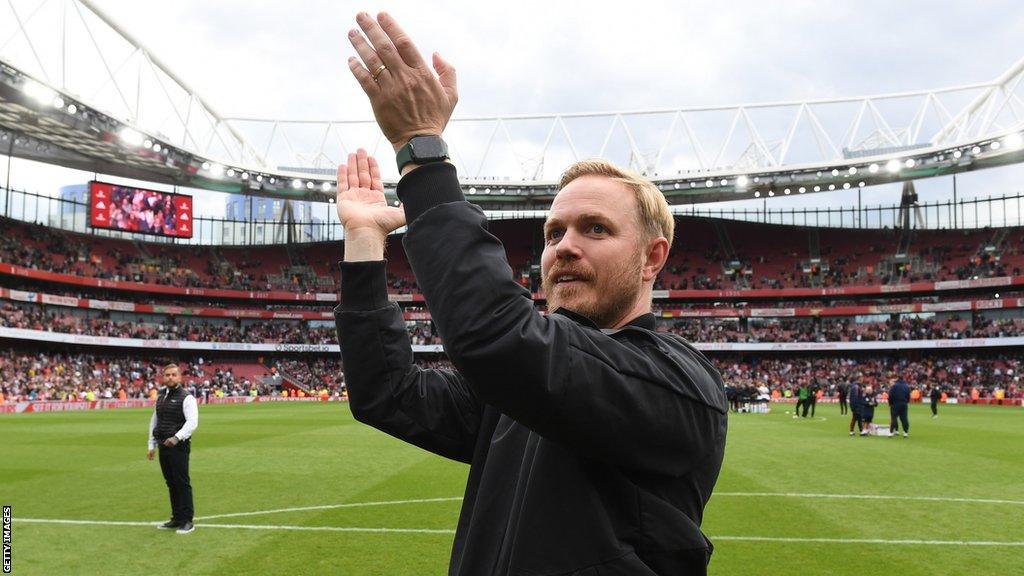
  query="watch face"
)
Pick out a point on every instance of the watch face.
point(428, 148)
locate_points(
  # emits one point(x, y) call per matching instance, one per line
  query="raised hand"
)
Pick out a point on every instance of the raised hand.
point(362, 209)
point(407, 98)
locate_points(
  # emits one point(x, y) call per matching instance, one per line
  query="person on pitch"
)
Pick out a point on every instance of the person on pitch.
point(175, 418)
point(594, 442)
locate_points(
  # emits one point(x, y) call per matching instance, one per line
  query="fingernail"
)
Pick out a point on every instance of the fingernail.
point(353, 33)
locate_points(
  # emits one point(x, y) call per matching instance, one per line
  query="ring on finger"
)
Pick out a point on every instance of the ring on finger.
point(380, 69)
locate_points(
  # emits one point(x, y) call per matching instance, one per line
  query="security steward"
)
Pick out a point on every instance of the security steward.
point(174, 419)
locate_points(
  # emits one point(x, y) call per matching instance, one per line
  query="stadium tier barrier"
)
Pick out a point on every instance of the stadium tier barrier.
point(52, 406)
point(877, 345)
point(789, 312)
point(330, 297)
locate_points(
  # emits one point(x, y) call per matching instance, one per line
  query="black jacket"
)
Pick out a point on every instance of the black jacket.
point(591, 452)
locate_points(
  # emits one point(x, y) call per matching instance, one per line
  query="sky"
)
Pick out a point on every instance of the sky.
point(286, 60)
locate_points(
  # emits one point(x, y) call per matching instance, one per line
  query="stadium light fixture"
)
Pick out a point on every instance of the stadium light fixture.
point(310, 185)
point(130, 136)
point(835, 171)
point(296, 183)
point(994, 145)
point(846, 185)
point(709, 184)
point(1014, 141)
point(231, 172)
point(957, 154)
point(817, 188)
point(861, 184)
point(873, 168)
point(786, 191)
point(742, 180)
point(472, 190)
point(802, 190)
point(677, 186)
point(259, 177)
point(818, 173)
point(326, 186)
point(245, 175)
point(771, 193)
point(910, 163)
point(216, 170)
point(58, 102)
point(831, 186)
point(757, 179)
point(852, 170)
point(893, 166)
point(72, 109)
point(757, 194)
point(724, 182)
point(273, 180)
point(976, 150)
point(38, 92)
point(147, 143)
point(157, 147)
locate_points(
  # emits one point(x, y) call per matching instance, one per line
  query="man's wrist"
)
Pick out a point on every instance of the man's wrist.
point(364, 245)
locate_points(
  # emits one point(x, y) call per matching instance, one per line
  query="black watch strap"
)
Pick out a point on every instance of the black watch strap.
point(422, 149)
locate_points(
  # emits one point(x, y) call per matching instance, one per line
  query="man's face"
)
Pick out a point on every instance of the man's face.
point(594, 254)
point(172, 377)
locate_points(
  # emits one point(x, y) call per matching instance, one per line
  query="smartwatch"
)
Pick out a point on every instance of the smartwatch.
point(422, 150)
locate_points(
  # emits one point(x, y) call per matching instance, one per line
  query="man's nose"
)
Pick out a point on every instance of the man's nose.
point(569, 246)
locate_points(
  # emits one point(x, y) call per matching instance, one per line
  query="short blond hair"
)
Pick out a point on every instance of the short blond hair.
point(171, 365)
point(653, 215)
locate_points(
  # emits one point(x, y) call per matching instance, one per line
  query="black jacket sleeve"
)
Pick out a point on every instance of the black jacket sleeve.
point(433, 409)
point(643, 405)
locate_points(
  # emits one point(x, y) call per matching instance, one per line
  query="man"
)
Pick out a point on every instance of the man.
point(935, 396)
point(812, 397)
point(801, 400)
point(594, 442)
point(843, 389)
point(175, 418)
point(899, 400)
point(856, 401)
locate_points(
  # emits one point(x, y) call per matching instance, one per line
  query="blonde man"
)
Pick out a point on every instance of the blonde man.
point(594, 442)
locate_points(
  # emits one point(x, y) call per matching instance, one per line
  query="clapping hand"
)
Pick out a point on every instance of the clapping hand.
point(362, 209)
point(407, 98)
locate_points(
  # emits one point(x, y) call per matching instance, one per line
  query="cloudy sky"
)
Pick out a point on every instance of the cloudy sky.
point(287, 59)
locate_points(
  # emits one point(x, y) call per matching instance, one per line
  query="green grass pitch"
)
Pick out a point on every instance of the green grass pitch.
point(956, 483)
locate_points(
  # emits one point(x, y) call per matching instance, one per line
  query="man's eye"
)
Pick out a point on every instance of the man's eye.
point(554, 234)
point(599, 228)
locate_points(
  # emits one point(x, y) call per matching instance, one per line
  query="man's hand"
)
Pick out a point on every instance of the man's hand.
point(362, 209)
point(149, 455)
point(171, 442)
point(406, 97)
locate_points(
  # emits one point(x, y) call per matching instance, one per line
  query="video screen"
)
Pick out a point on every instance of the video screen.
point(138, 210)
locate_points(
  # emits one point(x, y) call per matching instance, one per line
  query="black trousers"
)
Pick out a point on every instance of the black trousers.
point(898, 415)
point(174, 465)
point(935, 407)
point(842, 406)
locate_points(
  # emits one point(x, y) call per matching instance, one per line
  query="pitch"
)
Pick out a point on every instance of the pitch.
point(304, 489)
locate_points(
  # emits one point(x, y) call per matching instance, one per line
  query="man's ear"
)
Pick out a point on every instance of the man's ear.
point(656, 253)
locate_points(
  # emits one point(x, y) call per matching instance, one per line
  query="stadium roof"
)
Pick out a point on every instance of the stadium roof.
point(754, 150)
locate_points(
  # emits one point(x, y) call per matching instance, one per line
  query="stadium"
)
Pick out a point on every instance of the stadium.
point(820, 242)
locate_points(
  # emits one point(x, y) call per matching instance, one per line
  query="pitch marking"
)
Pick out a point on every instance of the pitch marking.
point(881, 541)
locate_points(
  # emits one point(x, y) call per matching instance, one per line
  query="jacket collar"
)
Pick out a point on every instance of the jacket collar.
point(645, 321)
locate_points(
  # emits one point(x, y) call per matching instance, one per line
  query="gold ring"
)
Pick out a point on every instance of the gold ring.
point(378, 71)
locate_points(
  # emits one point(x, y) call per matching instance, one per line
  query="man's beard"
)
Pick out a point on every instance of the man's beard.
point(609, 302)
